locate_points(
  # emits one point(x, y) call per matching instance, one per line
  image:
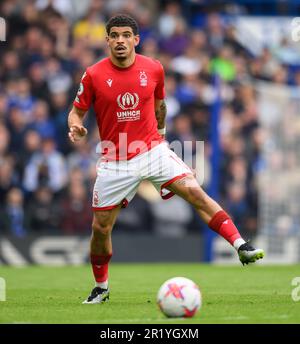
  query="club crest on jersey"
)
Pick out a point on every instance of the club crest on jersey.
point(143, 79)
point(128, 102)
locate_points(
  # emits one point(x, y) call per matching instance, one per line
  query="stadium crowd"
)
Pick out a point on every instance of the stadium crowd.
point(46, 182)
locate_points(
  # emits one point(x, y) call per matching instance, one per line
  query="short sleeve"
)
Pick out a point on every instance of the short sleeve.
point(159, 92)
point(85, 94)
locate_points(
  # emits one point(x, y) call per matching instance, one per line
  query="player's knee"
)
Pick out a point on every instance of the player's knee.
point(101, 229)
point(198, 198)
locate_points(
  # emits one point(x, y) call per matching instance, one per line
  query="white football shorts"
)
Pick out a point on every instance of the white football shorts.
point(117, 181)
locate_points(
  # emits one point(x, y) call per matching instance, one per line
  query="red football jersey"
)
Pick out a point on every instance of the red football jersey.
point(123, 99)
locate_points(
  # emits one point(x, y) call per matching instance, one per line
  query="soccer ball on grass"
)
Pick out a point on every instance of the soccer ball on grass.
point(179, 297)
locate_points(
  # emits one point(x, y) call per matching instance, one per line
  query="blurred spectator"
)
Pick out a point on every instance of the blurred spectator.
point(76, 211)
point(281, 75)
point(139, 217)
point(64, 7)
point(12, 219)
point(57, 79)
point(287, 53)
point(215, 31)
point(223, 64)
point(172, 103)
point(236, 205)
point(124, 6)
point(41, 122)
point(81, 158)
point(168, 18)
point(46, 168)
point(91, 29)
point(30, 12)
point(146, 29)
point(22, 98)
point(187, 91)
point(76, 176)
point(176, 43)
point(11, 67)
point(3, 107)
point(17, 126)
point(31, 144)
point(37, 75)
point(188, 62)
point(43, 212)
point(8, 179)
point(150, 47)
point(182, 129)
point(59, 108)
point(4, 140)
point(165, 224)
point(269, 64)
point(32, 43)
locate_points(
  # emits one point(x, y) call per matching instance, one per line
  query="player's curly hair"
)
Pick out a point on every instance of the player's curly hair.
point(122, 20)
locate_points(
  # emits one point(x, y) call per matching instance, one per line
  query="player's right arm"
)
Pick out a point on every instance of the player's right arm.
point(75, 121)
point(80, 107)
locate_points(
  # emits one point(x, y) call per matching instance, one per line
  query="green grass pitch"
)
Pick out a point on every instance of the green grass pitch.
point(231, 294)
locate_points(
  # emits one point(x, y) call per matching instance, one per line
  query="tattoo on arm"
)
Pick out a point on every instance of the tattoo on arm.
point(160, 115)
point(181, 182)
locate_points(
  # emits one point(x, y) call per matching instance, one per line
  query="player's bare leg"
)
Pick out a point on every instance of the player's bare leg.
point(101, 252)
point(215, 217)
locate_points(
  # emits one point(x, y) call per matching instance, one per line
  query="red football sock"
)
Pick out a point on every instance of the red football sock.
point(100, 266)
point(223, 225)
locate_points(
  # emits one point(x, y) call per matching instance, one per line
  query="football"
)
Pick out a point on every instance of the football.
point(179, 297)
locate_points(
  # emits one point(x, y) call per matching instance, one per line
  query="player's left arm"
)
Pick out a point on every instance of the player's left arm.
point(159, 96)
point(160, 114)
